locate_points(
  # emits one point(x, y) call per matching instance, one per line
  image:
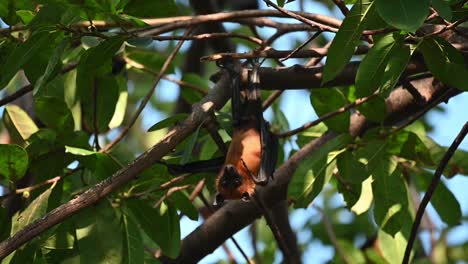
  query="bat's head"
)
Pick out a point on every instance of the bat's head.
point(232, 185)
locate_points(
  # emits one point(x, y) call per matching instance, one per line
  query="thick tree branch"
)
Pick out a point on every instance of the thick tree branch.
point(221, 226)
point(214, 100)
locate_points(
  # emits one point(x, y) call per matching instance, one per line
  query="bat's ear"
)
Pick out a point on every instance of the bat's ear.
point(219, 200)
point(245, 197)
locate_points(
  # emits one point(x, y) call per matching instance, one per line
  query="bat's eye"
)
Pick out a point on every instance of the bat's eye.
point(237, 181)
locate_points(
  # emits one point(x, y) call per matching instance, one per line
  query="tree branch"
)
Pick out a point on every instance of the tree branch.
point(220, 226)
point(430, 190)
point(215, 99)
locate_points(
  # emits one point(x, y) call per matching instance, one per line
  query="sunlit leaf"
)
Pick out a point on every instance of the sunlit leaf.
point(315, 171)
point(406, 15)
point(445, 62)
point(328, 100)
point(345, 41)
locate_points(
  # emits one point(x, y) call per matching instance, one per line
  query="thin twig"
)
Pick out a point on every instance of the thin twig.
point(95, 119)
point(274, 229)
point(169, 193)
point(22, 91)
point(430, 190)
point(165, 77)
point(450, 26)
point(278, 54)
point(327, 116)
point(204, 36)
point(297, 16)
point(41, 184)
point(314, 36)
point(271, 99)
point(148, 95)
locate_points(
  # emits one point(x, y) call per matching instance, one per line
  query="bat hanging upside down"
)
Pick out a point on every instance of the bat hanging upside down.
point(252, 154)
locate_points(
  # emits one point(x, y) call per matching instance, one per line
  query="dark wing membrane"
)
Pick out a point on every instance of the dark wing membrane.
point(269, 154)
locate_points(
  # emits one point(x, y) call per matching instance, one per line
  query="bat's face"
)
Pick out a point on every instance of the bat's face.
point(232, 185)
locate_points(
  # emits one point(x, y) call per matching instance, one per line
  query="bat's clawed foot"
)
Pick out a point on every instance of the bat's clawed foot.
point(245, 197)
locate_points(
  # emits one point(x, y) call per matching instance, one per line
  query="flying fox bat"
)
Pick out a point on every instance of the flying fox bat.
point(252, 154)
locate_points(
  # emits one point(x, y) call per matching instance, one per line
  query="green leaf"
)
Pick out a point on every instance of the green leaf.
point(49, 15)
point(370, 75)
point(346, 39)
point(133, 251)
point(392, 200)
point(374, 109)
point(397, 61)
point(370, 71)
point(121, 105)
point(182, 202)
point(170, 121)
point(96, 61)
point(328, 100)
point(445, 62)
point(351, 170)
point(79, 151)
point(98, 236)
point(21, 55)
point(25, 15)
point(351, 253)
point(409, 146)
point(312, 174)
point(101, 164)
point(196, 79)
point(62, 238)
point(34, 211)
point(280, 2)
point(13, 162)
point(160, 224)
point(392, 246)
point(54, 113)
point(100, 104)
point(191, 96)
point(187, 154)
point(443, 200)
point(142, 8)
point(365, 198)
point(53, 67)
point(443, 8)
point(406, 15)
